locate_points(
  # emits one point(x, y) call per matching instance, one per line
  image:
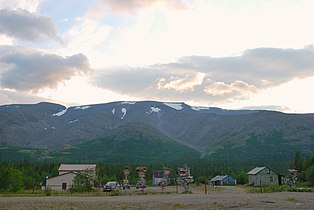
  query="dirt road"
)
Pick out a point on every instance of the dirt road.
point(217, 198)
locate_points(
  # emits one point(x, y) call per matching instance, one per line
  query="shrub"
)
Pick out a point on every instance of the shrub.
point(48, 191)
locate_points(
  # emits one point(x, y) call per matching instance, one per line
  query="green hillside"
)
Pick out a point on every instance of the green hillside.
point(15, 154)
point(132, 143)
point(267, 148)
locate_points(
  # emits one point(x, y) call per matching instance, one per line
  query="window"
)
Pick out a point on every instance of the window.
point(271, 179)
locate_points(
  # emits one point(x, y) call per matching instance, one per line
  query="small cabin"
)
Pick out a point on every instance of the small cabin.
point(223, 180)
point(264, 176)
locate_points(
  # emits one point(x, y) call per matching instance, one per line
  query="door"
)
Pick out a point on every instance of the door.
point(64, 186)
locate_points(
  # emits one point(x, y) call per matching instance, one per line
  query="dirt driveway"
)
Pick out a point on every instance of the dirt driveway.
point(217, 198)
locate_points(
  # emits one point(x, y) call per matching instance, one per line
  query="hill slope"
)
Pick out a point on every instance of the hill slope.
point(237, 134)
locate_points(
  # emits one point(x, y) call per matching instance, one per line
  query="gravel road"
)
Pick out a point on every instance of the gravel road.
point(217, 198)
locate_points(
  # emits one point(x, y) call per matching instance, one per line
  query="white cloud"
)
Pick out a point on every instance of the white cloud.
point(236, 89)
point(29, 5)
point(88, 36)
point(158, 35)
point(131, 6)
point(188, 82)
point(5, 40)
point(211, 80)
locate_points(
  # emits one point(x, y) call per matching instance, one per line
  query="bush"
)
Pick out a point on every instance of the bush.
point(271, 189)
point(201, 179)
point(48, 191)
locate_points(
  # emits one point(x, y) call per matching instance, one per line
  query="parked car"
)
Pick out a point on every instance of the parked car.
point(111, 186)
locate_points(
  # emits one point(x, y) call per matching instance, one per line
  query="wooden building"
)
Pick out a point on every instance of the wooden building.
point(264, 176)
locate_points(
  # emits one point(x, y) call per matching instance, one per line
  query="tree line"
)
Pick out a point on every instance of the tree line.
point(16, 176)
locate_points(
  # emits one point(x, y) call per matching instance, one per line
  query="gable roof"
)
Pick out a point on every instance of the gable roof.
point(77, 167)
point(256, 170)
point(218, 178)
point(58, 176)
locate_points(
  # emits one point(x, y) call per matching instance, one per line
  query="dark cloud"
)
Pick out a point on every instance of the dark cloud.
point(206, 79)
point(22, 24)
point(26, 70)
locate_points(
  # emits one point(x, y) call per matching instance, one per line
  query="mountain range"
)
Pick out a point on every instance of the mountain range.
point(150, 131)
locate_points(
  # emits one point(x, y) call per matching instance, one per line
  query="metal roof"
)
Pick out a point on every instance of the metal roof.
point(77, 167)
point(218, 178)
point(256, 170)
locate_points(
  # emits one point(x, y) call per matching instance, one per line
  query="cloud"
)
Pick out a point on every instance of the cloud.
point(15, 97)
point(129, 6)
point(237, 88)
point(29, 5)
point(188, 82)
point(22, 24)
point(25, 70)
point(211, 80)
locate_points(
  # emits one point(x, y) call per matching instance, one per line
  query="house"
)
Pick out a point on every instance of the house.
point(223, 180)
point(67, 173)
point(157, 177)
point(264, 176)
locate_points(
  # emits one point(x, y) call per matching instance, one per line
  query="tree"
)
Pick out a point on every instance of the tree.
point(298, 161)
point(82, 182)
point(11, 179)
point(242, 177)
point(310, 175)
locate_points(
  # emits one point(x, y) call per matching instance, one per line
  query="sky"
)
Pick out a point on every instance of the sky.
point(232, 54)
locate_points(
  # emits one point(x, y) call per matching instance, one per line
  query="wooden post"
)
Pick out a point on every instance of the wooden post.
point(177, 191)
point(205, 187)
point(260, 186)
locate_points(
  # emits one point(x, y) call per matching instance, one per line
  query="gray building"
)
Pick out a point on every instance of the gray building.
point(67, 173)
point(223, 180)
point(264, 176)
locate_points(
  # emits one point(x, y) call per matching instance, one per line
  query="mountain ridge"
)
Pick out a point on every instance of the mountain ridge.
point(208, 130)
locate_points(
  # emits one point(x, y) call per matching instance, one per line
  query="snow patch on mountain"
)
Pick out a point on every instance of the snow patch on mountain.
point(123, 110)
point(82, 107)
point(199, 108)
point(62, 112)
point(73, 121)
point(153, 109)
point(113, 110)
point(129, 102)
point(176, 106)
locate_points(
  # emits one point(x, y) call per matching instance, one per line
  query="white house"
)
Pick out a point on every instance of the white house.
point(67, 172)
